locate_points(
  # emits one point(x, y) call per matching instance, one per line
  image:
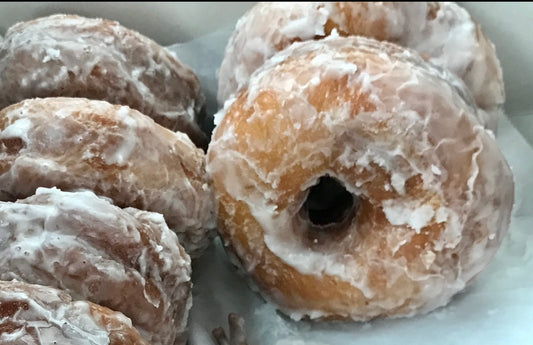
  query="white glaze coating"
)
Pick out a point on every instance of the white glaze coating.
point(113, 150)
point(75, 56)
point(393, 116)
point(40, 315)
point(443, 32)
point(127, 260)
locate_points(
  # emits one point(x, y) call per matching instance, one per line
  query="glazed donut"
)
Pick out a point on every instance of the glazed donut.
point(113, 150)
point(41, 315)
point(72, 56)
point(418, 195)
point(124, 259)
point(444, 33)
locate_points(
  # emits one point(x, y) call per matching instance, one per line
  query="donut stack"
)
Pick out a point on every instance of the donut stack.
point(104, 196)
point(354, 164)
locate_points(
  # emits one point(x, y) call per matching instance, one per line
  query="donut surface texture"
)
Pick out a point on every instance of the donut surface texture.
point(124, 259)
point(421, 193)
point(444, 33)
point(72, 56)
point(41, 315)
point(113, 150)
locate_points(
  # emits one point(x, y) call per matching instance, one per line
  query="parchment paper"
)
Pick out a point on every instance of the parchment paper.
point(497, 309)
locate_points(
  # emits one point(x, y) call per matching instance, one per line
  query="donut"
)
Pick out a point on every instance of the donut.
point(35, 314)
point(127, 260)
point(444, 33)
point(353, 181)
point(73, 56)
point(113, 150)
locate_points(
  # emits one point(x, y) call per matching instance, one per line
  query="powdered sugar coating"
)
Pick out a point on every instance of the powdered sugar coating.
point(65, 55)
point(41, 315)
point(113, 150)
point(444, 33)
point(435, 193)
point(127, 260)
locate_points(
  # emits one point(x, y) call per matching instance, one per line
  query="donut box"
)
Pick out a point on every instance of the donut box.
point(433, 262)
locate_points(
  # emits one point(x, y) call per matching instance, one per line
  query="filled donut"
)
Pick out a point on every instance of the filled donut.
point(73, 56)
point(442, 32)
point(36, 314)
point(124, 259)
point(113, 150)
point(353, 180)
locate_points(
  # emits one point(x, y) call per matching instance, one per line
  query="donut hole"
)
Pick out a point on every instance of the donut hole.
point(329, 206)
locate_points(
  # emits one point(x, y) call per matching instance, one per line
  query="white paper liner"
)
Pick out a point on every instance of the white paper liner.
point(496, 309)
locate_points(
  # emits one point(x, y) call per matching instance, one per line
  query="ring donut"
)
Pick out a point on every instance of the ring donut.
point(123, 259)
point(36, 314)
point(444, 33)
point(73, 56)
point(353, 180)
point(113, 150)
